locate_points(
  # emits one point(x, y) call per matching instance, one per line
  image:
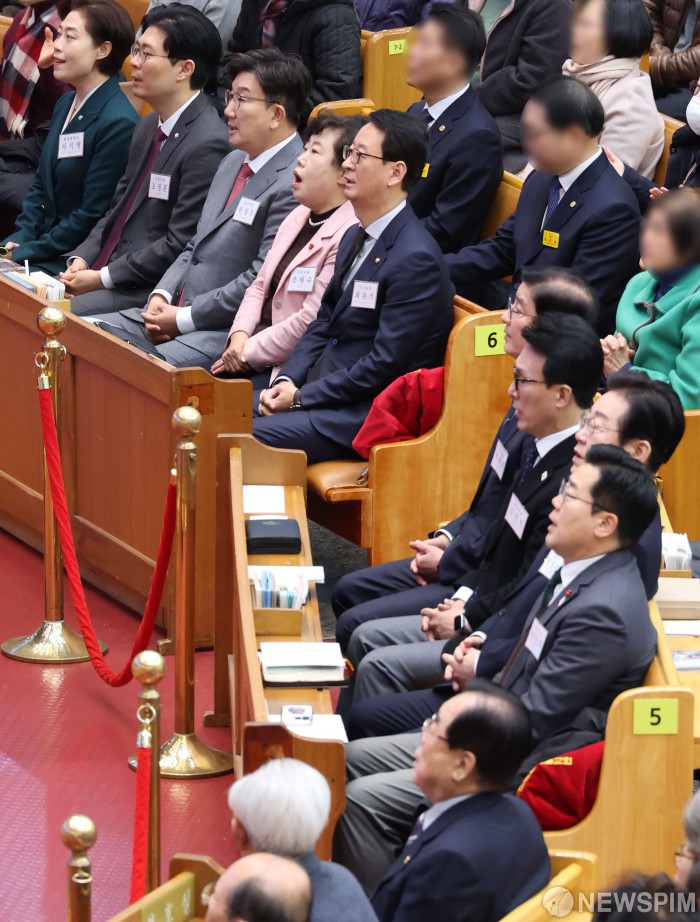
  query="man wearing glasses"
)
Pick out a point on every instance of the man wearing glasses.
point(388, 308)
point(175, 152)
point(189, 313)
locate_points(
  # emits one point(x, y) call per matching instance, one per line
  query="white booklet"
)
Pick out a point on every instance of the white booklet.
point(311, 664)
point(322, 727)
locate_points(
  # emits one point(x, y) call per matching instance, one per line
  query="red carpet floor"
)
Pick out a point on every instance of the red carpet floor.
point(64, 740)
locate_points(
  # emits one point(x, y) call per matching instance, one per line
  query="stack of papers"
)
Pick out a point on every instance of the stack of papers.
point(309, 664)
point(676, 551)
point(263, 500)
point(295, 578)
point(682, 628)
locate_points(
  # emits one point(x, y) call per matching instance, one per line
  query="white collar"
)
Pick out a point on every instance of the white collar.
point(442, 806)
point(570, 571)
point(548, 442)
point(437, 108)
point(568, 179)
point(73, 112)
point(167, 126)
point(376, 228)
point(257, 163)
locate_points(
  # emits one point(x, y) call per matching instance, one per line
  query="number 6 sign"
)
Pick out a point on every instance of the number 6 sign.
point(488, 340)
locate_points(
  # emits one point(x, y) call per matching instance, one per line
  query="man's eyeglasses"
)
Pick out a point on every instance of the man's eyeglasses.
point(566, 495)
point(430, 724)
point(142, 56)
point(517, 380)
point(237, 99)
point(683, 854)
point(354, 155)
point(514, 310)
point(589, 422)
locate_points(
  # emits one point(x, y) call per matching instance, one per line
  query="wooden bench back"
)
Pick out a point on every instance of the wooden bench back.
point(503, 205)
point(681, 484)
point(573, 871)
point(384, 69)
point(173, 901)
point(671, 125)
point(344, 107)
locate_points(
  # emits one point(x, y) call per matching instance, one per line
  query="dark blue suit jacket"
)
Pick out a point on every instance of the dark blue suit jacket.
point(477, 861)
point(359, 351)
point(465, 166)
point(503, 629)
point(471, 529)
point(70, 195)
point(597, 221)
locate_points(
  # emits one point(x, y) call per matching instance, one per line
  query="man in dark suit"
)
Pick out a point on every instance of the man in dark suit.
point(587, 638)
point(476, 852)
point(374, 325)
point(574, 210)
point(189, 314)
point(175, 152)
point(464, 164)
point(642, 416)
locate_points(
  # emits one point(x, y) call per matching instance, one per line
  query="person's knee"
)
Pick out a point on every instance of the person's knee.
point(358, 723)
point(341, 597)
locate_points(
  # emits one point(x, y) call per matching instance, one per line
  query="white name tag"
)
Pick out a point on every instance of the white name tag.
point(551, 564)
point(536, 638)
point(70, 145)
point(302, 279)
point(517, 515)
point(364, 294)
point(499, 460)
point(159, 186)
point(246, 211)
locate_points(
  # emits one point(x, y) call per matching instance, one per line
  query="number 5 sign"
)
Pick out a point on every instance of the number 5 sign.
point(488, 340)
point(655, 716)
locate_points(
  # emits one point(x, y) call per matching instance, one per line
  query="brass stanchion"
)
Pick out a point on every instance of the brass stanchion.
point(79, 834)
point(149, 668)
point(185, 755)
point(54, 641)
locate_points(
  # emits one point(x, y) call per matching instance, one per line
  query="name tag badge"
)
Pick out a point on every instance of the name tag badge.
point(517, 515)
point(426, 169)
point(159, 186)
point(246, 211)
point(302, 279)
point(364, 294)
point(499, 459)
point(551, 564)
point(550, 239)
point(70, 145)
point(536, 638)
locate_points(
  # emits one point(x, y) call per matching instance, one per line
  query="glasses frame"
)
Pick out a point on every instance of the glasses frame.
point(229, 97)
point(565, 496)
point(354, 155)
point(517, 381)
point(587, 423)
point(681, 853)
point(432, 722)
point(142, 56)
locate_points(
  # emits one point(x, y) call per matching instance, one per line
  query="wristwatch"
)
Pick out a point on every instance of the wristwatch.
point(296, 401)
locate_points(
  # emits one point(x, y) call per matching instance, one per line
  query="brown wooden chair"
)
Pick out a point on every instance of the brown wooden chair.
point(503, 205)
point(671, 125)
point(344, 107)
point(572, 871)
point(681, 485)
point(384, 69)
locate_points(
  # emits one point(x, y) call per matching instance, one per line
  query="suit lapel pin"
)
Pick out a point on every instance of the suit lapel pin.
point(377, 260)
point(80, 118)
point(441, 128)
point(311, 246)
point(177, 134)
point(572, 204)
point(545, 475)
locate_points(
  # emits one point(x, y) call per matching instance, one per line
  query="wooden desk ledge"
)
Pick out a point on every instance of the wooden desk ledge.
point(336, 481)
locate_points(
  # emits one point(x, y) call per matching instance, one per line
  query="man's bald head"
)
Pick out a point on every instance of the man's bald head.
point(261, 888)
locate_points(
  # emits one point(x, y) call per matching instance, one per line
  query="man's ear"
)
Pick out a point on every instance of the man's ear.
point(240, 836)
point(398, 172)
point(464, 766)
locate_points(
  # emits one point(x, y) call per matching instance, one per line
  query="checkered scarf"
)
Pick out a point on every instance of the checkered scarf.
point(272, 10)
point(20, 70)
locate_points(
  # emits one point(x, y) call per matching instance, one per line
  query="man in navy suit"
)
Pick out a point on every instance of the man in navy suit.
point(574, 210)
point(477, 852)
point(387, 310)
point(465, 163)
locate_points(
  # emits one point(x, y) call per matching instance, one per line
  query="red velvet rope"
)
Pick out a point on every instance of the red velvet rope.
point(143, 636)
point(143, 802)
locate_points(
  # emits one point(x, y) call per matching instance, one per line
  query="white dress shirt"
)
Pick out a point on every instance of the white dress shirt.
point(566, 180)
point(546, 444)
point(436, 810)
point(441, 106)
point(373, 231)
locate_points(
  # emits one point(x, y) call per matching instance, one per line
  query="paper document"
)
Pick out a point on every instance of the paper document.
point(263, 499)
point(308, 664)
point(686, 660)
point(682, 628)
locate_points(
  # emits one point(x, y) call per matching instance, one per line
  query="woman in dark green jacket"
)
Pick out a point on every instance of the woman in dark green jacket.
point(87, 146)
point(658, 318)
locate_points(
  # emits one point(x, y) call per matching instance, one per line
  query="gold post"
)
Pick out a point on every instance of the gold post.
point(185, 755)
point(79, 834)
point(149, 668)
point(54, 641)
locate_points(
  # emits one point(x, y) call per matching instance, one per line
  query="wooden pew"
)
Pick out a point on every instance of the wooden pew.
point(681, 486)
point(644, 783)
point(671, 125)
point(431, 478)
point(384, 69)
point(117, 403)
point(241, 700)
point(344, 107)
point(575, 872)
point(189, 876)
point(503, 205)
point(5, 23)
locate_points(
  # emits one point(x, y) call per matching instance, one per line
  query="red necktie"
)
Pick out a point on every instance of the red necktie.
point(244, 174)
point(110, 244)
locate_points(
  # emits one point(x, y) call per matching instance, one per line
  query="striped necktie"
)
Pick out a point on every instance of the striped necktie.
point(553, 200)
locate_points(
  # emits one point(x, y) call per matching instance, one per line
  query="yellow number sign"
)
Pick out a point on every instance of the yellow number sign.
point(398, 46)
point(488, 340)
point(655, 716)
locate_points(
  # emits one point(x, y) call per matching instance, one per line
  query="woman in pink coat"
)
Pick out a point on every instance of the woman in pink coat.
point(286, 295)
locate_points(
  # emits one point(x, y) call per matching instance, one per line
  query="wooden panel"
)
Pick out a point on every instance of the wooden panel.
point(681, 485)
point(574, 871)
point(154, 900)
point(206, 872)
point(671, 125)
point(503, 205)
point(344, 107)
point(136, 10)
point(5, 23)
point(385, 72)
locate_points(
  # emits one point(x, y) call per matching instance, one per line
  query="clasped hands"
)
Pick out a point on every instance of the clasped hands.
point(160, 320)
point(80, 280)
point(616, 353)
point(438, 624)
point(424, 565)
point(233, 359)
point(277, 399)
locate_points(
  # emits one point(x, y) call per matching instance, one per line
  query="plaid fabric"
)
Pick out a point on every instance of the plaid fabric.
point(20, 69)
point(272, 9)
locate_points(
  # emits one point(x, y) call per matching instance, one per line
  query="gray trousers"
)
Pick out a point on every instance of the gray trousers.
point(107, 300)
point(381, 805)
point(175, 352)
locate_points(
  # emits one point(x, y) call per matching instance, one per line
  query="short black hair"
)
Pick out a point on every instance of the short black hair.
point(560, 289)
point(567, 103)
point(681, 207)
point(189, 35)
point(284, 78)
point(253, 901)
point(106, 21)
point(463, 31)
point(405, 137)
point(628, 28)
point(496, 728)
point(639, 898)
point(346, 127)
point(572, 353)
point(654, 413)
point(624, 487)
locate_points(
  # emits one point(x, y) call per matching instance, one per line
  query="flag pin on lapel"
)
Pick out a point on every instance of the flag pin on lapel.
point(544, 476)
